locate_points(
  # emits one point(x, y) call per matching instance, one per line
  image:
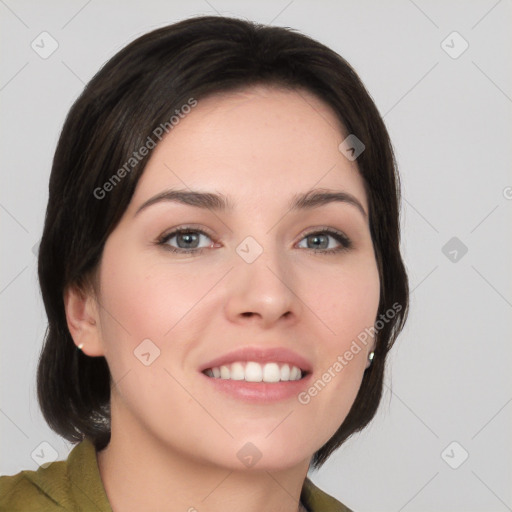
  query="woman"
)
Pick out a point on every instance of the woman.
point(221, 271)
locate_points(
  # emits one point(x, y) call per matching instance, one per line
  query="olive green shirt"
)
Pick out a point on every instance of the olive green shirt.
point(75, 485)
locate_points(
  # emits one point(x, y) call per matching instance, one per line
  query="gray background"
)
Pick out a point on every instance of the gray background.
point(450, 122)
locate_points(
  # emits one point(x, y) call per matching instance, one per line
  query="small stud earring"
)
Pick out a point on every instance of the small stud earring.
point(81, 346)
point(370, 356)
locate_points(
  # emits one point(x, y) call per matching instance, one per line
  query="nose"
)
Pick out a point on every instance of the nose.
point(262, 292)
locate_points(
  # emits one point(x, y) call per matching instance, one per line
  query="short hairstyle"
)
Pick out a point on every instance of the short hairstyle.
point(141, 88)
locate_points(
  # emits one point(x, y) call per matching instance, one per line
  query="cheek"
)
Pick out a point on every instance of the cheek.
point(144, 307)
point(346, 301)
point(146, 300)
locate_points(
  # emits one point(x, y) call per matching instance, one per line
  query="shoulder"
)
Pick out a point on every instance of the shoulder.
point(43, 490)
point(317, 500)
point(73, 484)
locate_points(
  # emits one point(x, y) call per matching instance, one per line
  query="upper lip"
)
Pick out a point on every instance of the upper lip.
point(259, 355)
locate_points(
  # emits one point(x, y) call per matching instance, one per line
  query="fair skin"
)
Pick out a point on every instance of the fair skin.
point(175, 435)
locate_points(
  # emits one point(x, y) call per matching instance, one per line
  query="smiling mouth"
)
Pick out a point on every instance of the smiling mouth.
point(251, 371)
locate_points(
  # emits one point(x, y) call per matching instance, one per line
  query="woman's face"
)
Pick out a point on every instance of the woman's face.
point(261, 276)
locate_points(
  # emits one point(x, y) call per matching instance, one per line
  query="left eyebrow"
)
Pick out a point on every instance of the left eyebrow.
point(219, 202)
point(319, 197)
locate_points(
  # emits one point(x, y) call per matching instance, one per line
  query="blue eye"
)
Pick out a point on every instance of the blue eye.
point(321, 243)
point(188, 240)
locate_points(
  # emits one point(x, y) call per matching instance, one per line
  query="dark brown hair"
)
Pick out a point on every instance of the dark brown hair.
point(139, 89)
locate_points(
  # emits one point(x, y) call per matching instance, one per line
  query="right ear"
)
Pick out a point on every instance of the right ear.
point(82, 316)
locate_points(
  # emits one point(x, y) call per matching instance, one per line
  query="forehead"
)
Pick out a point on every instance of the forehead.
point(261, 142)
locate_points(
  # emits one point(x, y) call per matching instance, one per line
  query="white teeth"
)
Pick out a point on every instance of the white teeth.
point(271, 372)
point(285, 372)
point(256, 372)
point(237, 371)
point(225, 372)
point(294, 373)
point(253, 372)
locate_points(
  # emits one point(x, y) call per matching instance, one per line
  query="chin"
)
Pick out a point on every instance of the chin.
point(267, 454)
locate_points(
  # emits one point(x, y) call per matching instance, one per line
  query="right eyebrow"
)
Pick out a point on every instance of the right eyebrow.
point(206, 200)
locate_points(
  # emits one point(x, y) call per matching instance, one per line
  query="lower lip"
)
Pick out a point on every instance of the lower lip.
point(260, 392)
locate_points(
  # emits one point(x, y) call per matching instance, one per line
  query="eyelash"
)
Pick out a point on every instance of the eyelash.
point(345, 242)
